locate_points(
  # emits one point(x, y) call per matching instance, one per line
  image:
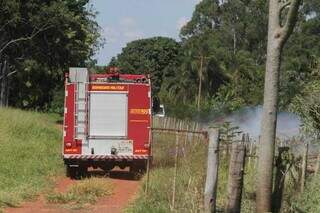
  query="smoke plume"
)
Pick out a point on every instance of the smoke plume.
point(248, 120)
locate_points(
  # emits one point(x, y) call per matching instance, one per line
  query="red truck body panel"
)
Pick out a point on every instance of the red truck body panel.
point(139, 118)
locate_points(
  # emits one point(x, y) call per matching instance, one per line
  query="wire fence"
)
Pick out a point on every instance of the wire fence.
point(179, 166)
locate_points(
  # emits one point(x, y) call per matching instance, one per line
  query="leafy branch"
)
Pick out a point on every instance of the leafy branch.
point(30, 37)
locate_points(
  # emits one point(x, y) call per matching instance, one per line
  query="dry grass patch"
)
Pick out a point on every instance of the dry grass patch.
point(84, 192)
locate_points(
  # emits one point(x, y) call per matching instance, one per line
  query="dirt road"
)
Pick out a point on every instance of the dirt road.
point(125, 190)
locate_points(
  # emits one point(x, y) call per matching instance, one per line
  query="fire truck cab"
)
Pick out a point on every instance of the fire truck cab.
point(107, 121)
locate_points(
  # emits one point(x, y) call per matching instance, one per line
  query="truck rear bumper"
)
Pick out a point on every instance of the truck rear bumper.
point(106, 157)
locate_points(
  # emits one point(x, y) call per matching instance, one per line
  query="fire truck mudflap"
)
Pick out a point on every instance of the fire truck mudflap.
point(107, 121)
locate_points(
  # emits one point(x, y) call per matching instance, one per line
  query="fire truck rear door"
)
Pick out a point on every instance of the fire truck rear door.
point(108, 116)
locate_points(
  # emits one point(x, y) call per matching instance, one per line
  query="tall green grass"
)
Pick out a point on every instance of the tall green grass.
point(309, 200)
point(30, 146)
point(190, 182)
point(190, 176)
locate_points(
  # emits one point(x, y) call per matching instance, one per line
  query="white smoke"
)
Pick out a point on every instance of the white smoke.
point(248, 120)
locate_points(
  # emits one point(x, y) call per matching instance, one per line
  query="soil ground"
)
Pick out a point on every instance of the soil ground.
point(125, 189)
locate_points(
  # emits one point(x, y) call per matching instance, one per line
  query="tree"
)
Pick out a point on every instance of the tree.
point(39, 41)
point(235, 35)
point(282, 19)
point(307, 106)
point(156, 56)
point(302, 54)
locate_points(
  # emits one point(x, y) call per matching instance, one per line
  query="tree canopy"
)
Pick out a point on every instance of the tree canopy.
point(232, 38)
point(156, 56)
point(39, 41)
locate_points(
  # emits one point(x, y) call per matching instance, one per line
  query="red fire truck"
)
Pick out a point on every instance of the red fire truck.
point(107, 121)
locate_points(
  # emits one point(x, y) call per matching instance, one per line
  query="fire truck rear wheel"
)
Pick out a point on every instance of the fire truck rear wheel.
point(71, 172)
point(140, 168)
point(107, 168)
point(76, 172)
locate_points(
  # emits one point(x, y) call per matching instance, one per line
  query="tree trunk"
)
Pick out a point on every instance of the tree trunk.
point(200, 82)
point(234, 40)
point(1, 80)
point(279, 179)
point(277, 36)
point(268, 131)
point(304, 167)
point(3, 84)
point(317, 165)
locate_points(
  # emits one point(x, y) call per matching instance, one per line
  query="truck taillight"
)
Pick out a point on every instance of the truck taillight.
point(68, 145)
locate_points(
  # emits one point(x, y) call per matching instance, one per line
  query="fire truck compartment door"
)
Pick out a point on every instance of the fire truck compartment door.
point(108, 114)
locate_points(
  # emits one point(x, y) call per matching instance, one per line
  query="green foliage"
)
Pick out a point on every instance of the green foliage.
point(228, 132)
point(301, 59)
point(50, 36)
point(307, 106)
point(156, 56)
point(231, 37)
point(309, 200)
point(30, 147)
point(57, 103)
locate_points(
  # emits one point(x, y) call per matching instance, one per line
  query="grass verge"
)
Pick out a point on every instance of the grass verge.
point(190, 180)
point(30, 158)
point(309, 200)
point(84, 192)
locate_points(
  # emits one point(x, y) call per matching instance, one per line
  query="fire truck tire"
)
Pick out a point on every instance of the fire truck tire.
point(76, 173)
point(71, 172)
point(140, 167)
point(83, 172)
point(107, 168)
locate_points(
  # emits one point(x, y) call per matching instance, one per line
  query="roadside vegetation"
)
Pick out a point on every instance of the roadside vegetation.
point(30, 155)
point(189, 182)
point(191, 175)
point(82, 193)
point(309, 200)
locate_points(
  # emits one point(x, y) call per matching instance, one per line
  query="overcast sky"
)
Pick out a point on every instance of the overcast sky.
point(123, 21)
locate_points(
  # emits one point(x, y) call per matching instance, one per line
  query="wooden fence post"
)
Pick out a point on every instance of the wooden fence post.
point(316, 170)
point(235, 178)
point(250, 144)
point(279, 179)
point(175, 168)
point(210, 191)
point(304, 167)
